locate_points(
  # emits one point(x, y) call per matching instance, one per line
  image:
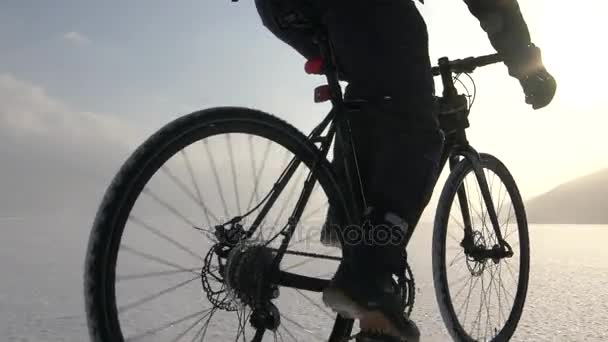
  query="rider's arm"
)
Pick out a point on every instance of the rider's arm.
point(503, 22)
point(508, 33)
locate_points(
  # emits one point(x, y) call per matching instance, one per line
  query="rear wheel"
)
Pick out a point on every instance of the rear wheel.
point(155, 270)
point(480, 299)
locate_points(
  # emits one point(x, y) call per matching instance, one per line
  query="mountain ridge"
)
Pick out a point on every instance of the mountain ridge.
point(583, 200)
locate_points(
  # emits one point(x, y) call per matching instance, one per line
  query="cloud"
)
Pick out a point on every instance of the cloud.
point(76, 38)
point(55, 159)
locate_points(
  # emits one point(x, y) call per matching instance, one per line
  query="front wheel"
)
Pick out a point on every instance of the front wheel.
point(480, 298)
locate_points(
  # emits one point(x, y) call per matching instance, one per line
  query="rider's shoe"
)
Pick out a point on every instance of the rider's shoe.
point(363, 287)
point(356, 295)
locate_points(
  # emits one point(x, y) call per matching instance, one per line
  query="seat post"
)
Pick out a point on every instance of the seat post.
point(330, 67)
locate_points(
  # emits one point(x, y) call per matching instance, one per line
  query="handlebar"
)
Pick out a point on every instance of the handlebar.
point(467, 64)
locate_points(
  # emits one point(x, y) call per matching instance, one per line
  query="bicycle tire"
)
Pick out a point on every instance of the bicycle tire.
point(104, 240)
point(448, 195)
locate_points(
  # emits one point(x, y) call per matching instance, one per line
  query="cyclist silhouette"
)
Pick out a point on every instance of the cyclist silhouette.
point(381, 47)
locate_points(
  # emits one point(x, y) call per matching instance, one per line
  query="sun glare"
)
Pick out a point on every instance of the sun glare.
point(573, 46)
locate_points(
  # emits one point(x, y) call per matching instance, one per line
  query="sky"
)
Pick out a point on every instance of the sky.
point(84, 82)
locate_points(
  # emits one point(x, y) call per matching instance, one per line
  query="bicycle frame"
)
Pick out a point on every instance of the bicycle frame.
point(453, 117)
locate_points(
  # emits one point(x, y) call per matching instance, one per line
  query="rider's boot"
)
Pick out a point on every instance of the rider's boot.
point(363, 287)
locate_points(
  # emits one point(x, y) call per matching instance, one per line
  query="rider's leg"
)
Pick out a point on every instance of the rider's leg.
point(383, 51)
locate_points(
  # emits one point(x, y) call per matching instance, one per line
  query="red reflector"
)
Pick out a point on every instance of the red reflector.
point(314, 66)
point(322, 94)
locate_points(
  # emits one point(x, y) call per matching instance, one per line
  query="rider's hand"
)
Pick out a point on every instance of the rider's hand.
point(538, 85)
point(539, 88)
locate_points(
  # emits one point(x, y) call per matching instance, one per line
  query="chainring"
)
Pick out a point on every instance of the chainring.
point(407, 287)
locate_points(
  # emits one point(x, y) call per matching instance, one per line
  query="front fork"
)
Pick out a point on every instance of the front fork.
point(468, 242)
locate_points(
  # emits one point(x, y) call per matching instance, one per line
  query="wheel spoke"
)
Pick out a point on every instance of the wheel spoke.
point(198, 190)
point(302, 328)
point(178, 337)
point(457, 222)
point(289, 197)
point(487, 293)
point(311, 301)
point(498, 288)
point(471, 288)
point(489, 303)
point(242, 318)
point(198, 334)
point(315, 211)
point(503, 198)
point(464, 286)
point(167, 206)
point(507, 234)
point(168, 325)
point(477, 320)
point(153, 258)
point(217, 178)
point(258, 173)
point(241, 326)
point(288, 332)
point(502, 286)
point(156, 295)
point(510, 269)
point(458, 256)
point(260, 235)
point(206, 325)
point(278, 333)
point(163, 236)
point(245, 322)
point(254, 193)
point(120, 278)
point(165, 169)
point(233, 168)
point(453, 238)
point(306, 239)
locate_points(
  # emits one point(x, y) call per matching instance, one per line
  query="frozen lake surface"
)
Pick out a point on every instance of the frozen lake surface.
point(41, 287)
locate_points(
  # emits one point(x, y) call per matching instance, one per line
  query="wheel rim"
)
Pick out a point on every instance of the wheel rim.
point(176, 201)
point(483, 292)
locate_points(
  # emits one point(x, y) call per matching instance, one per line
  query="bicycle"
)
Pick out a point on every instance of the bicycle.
point(243, 274)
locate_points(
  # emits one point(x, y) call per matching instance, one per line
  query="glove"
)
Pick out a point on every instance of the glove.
point(539, 88)
point(537, 83)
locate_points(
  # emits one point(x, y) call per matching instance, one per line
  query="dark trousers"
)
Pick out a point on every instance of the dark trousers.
point(381, 48)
